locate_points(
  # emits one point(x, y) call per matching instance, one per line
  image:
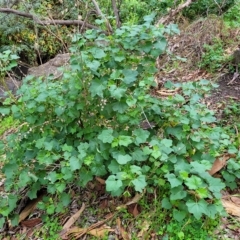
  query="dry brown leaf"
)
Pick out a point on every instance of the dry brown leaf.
point(122, 231)
point(29, 208)
point(136, 198)
point(31, 222)
point(75, 232)
point(72, 220)
point(231, 208)
point(100, 232)
point(219, 163)
point(100, 180)
point(134, 209)
point(144, 227)
point(79, 232)
point(103, 204)
point(235, 200)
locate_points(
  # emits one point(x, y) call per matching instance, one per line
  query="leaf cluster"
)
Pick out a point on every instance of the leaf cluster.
point(7, 62)
point(213, 56)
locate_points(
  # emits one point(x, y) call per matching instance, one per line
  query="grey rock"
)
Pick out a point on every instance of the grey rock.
point(10, 85)
point(51, 67)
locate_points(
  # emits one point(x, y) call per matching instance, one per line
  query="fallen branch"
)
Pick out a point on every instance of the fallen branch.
point(174, 12)
point(47, 22)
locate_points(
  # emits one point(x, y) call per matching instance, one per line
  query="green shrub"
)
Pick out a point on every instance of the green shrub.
point(89, 124)
point(213, 56)
point(7, 123)
point(206, 7)
point(232, 16)
point(7, 62)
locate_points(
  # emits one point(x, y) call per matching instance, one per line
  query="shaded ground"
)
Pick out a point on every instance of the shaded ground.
point(226, 92)
point(224, 95)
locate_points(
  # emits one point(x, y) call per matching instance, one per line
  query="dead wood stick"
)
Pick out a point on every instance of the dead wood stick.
point(173, 12)
point(116, 13)
point(99, 12)
point(46, 22)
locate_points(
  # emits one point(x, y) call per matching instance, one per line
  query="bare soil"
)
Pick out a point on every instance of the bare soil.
point(226, 92)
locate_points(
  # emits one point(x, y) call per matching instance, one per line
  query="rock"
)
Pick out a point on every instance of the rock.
point(8, 85)
point(49, 68)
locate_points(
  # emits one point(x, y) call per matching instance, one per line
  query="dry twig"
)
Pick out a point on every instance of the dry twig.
point(174, 12)
point(99, 12)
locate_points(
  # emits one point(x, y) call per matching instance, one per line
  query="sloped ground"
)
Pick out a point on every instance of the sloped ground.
point(181, 63)
point(225, 90)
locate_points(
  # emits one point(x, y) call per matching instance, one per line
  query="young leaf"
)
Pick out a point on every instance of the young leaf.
point(113, 184)
point(12, 201)
point(120, 107)
point(50, 209)
point(124, 140)
point(156, 153)
point(117, 92)
point(136, 169)
point(141, 136)
point(139, 183)
point(97, 87)
point(179, 215)
point(123, 159)
point(216, 185)
point(197, 208)
point(75, 163)
point(174, 181)
point(139, 155)
point(194, 182)
point(166, 203)
point(178, 193)
point(130, 76)
point(60, 186)
point(93, 65)
point(98, 53)
point(202, 192)
point(65, 199)
point(106, 136)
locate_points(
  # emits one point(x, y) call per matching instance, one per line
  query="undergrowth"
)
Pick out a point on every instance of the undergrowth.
point(7, 123)
point(213, 56)
point(91, 124)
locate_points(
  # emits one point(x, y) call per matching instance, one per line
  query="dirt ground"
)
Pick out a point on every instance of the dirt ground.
point(226, 92)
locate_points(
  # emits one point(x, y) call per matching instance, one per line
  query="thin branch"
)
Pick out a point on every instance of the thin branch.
point(46, 22)
point(22, 14)
point(84, 22)
point(99, 12)
point(116, 13)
